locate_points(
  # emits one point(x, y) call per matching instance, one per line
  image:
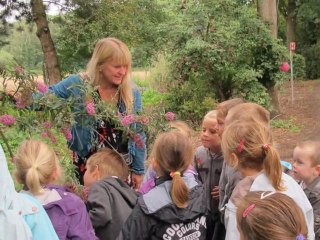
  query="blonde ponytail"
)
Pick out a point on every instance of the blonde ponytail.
point(179, 191)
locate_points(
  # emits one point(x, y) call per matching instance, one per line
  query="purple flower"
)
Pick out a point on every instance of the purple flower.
point(127, 120)
point(170, 116)
point(43, 88)
point(90, 108)
point(7, 119)
point(67, 133)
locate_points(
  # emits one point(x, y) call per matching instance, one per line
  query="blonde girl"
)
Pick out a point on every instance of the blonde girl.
point(37, 166)
point(176, 206)
point(249, 147)
point(270, 215)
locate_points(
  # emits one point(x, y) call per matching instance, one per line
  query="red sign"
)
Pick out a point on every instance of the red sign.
point(292, 46)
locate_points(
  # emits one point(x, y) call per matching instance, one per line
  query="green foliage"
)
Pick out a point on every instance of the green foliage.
point(313, 61)
point(299, 66)
point(286, 124)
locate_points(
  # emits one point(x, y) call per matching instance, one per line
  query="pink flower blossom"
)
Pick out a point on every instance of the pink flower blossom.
point(67, 133)
point(47, 125)
point(145, 120)
point(19, 70)
point(41, 87)
point(170, 116)
point(285, 67)
point(127, 120)
point(44, 135)
point(20, 103)
point(138, 141)
point(90, 108)
point(7, 119)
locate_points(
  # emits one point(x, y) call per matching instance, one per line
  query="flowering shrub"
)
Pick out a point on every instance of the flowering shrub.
point(33, 110)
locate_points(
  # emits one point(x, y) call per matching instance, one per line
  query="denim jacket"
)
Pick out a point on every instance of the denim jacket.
point(82, 136)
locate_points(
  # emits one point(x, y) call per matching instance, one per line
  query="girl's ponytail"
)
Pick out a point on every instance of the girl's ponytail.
point(272, 166)
point(179, 190)
point(32, 180)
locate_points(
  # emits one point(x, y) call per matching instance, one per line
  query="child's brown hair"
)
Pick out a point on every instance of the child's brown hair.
point(312, 150)
point(252, 144)
point(248, 112)
point(224, 107)
point(270, 215)
point(173, 154)
point(109, 163)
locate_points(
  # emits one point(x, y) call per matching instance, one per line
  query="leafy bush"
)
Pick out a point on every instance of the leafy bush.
point(299, 67)
point(313, 61)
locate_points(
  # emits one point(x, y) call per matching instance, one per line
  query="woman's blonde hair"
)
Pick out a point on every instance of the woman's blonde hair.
point(173, 153)
point(252, 143)
point(270, 215)
point(109, 163)
point(35, 164)
point(112, 49)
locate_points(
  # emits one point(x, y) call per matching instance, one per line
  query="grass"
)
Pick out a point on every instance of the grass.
point(286, 124)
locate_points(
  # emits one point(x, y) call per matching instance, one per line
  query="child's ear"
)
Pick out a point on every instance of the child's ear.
point(234, 160)
point(96, 173)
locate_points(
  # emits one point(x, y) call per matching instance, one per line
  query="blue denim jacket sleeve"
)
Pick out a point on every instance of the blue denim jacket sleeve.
point(137, 153)
point(67, 87)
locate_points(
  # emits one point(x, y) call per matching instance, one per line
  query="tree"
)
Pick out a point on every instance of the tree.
point(35, 11)
point(268, 11)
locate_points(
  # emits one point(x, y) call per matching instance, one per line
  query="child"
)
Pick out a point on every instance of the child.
point(176, 207)
point(270, 215)
point(150, 176)
point(208, 162)
point(37, 166)
point(306, 167)
point(249, 147)
point(21, 216)
point(110, 199)
point(244, 112)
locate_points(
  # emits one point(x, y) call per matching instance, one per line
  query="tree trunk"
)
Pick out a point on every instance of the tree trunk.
point(268, 12)
point(48, 48)
point(290, 33)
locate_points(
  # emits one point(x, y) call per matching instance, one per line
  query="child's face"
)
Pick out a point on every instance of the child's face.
point(209, 135)
point(91, 176)
point(302, 166)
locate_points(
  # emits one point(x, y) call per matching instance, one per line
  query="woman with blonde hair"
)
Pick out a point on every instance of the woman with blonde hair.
point(176, 207)
point(109, 72)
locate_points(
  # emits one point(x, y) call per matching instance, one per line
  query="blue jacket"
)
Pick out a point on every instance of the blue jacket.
point(21, 216)
point(81, 135)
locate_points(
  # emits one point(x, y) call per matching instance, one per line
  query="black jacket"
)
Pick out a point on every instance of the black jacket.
point(110, 202)
point(156, 217)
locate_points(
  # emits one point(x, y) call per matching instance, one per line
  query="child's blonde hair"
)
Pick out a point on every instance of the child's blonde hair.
point(106, 50)
point(252, 143)
point(270, 215)
point(249, 112)
point(35, 163)
point(109, 163)
point(312, 150)
point(211, 115)
point(173, 154)
point(224, 107)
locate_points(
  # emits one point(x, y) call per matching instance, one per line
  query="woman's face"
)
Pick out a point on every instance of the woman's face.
point(113, 73)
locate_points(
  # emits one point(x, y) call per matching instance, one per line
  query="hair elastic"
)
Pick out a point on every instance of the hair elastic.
point(248, 210)
point(172, 174)
point(240, 146)
point(300, 237)
point(265, 146)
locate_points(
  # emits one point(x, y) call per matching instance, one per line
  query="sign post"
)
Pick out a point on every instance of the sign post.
point(292, 48)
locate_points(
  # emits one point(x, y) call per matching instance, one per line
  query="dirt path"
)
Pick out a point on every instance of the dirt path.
point(305, 113)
